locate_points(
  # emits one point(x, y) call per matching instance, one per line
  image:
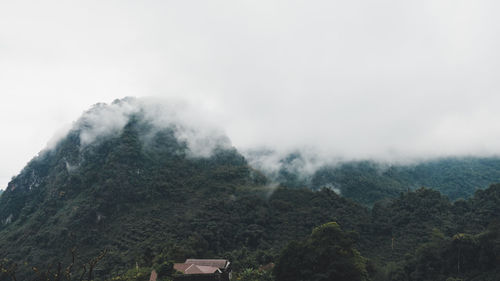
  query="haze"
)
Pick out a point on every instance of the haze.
point(389, 80)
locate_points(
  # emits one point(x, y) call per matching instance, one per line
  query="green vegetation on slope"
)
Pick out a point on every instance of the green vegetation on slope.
point(367, 182)
point(142, 196)
point(327, 254)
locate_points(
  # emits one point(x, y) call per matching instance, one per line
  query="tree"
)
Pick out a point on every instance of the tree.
point(250, 274)
point(327, 254)
point(8, 270)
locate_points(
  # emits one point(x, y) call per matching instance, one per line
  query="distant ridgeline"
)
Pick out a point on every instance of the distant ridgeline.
point(143, 194)
point(367, 182)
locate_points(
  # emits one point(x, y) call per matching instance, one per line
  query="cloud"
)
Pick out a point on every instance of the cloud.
point(190, 126)
point(103, 120)
point(389, 80)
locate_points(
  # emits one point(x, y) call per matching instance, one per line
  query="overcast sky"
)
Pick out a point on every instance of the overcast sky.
point(352, 79)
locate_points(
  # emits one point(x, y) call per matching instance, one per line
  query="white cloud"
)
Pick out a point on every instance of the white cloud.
point(189, 122)
point(352, 79)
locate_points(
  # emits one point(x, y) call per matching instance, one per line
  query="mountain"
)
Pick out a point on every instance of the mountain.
point(369, 181)
point(147, 190)
point(114, 192)
point(139, 190)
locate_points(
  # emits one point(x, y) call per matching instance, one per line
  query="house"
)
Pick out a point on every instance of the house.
point(203, 270)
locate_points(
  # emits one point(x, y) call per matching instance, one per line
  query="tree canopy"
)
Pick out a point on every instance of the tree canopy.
point(327, 254)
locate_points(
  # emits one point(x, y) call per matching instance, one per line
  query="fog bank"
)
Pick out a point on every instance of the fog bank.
point(387, 80)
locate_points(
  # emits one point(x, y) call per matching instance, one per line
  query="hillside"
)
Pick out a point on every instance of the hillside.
point(142, 191)
point(369, 181)
point(98, 195)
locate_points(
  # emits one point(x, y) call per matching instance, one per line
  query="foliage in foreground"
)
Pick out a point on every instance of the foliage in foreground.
point(327, 254)
point(459, 257)
point(59, 272)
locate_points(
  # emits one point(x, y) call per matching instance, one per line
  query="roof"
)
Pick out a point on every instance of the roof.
point(202, 266)
point(187, 268)
point(181, 266)
point(219, 263)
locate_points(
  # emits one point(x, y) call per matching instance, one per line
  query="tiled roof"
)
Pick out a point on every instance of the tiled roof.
point(181, 266)
point(200, 269)
point(187, 268)
point(201, 266)
point(205, 262)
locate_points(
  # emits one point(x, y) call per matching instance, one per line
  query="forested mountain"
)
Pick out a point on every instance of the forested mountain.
point(141, 192)
point(368, 181)
point(128, 192)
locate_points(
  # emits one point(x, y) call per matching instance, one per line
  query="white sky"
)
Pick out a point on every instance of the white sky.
point(353, 79)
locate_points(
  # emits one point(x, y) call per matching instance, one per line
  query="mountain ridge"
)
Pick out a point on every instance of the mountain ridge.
point(142, 192)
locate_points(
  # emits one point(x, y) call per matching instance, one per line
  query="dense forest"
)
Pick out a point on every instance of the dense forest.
point(367, 182)
point(141, 197)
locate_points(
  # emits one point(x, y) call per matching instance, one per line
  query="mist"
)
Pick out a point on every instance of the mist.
point(103, 121)
point(203, 133)
point(391, 81)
